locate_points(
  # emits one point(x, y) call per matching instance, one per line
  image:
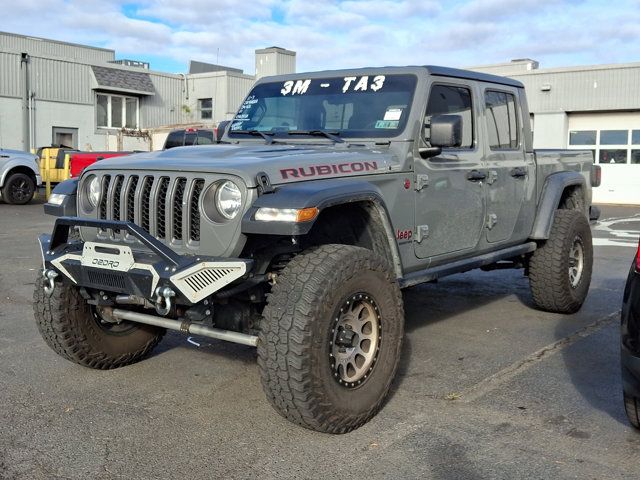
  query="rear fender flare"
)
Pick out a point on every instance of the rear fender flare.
point(550, 198)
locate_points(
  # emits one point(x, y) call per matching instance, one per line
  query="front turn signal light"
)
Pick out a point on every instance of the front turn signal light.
point(291, 215)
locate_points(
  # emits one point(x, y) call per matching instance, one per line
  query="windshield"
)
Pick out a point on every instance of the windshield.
point(353, 106)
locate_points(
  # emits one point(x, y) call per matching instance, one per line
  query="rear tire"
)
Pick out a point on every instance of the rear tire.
point(632, 408)
point(560, 270)
point(74, 331)
point(331, 337)
point(18, 189)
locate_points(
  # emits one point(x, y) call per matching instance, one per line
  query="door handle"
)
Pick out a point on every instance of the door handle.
point(476, 176)
point(518, 172)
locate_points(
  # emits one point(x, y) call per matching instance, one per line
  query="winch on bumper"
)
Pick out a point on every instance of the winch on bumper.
point(156, 274)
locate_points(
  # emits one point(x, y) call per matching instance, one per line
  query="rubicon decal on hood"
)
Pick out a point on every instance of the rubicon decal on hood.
point(330, 169)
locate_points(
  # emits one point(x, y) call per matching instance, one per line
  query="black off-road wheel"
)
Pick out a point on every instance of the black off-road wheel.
point(632, 408)
point(75, 331)
point(560, 270)
point(18, 189)
point(331, 337)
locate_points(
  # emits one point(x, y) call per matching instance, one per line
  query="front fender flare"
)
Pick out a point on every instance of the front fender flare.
point(67, 208)
point(321, 194)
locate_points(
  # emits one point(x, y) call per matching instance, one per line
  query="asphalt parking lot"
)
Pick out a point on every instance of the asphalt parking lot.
point(488, 388)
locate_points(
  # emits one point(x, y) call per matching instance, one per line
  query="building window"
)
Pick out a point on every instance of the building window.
point(614, 137)
point(117, 111)
point(205, 105)
point(613, 155)
point(582, 137)
point(613, 147)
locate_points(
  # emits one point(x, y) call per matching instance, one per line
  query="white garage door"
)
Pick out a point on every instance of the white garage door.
point(615, 141)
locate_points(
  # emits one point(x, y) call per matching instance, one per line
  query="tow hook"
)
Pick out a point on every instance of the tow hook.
point(163, 300)
point(49, 280)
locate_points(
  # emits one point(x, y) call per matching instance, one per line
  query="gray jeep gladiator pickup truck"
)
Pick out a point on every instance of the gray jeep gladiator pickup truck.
point(330, 193)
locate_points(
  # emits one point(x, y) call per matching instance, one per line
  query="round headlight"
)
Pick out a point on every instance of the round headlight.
point(228, 199)
point(93, 191)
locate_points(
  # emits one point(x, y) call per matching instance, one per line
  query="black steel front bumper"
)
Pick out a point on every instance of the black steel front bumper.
point(630, 335)
point(138, 266)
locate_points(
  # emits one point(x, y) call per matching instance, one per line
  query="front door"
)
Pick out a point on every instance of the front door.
point(509, 169)
point(450, 206)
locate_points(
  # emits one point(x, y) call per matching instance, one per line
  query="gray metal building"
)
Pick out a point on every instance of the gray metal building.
point(81, 96)
point(592, 107)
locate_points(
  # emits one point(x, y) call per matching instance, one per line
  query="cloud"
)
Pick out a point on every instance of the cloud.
point(499, 9)
point(339, 34)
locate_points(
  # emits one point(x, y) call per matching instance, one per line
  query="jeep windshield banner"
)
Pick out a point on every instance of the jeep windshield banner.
point(350, 106)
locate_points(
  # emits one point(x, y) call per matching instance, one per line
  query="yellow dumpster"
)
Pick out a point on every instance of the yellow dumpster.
point(54, 166)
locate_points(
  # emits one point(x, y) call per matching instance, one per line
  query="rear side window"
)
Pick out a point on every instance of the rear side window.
point(451, 100)
point(190, 138)
point(205, 137)
point(175, 139)
point(502, 120)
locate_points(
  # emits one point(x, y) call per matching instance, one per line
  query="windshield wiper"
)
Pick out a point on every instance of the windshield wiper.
point(318, 133)
point(268, 136)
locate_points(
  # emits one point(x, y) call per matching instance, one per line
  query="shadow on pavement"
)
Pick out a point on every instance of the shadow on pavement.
point(593, 363)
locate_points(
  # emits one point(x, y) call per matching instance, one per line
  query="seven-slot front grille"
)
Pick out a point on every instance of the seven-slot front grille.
point(166, 207)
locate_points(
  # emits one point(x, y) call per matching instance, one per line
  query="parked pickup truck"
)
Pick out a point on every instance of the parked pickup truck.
point(19, 176)
point(330, 193)
point(184, 137)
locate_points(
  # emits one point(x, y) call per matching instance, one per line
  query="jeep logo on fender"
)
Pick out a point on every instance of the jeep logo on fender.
point(99, 262)
point(332, 169)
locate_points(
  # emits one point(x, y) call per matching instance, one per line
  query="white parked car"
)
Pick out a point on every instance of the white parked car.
point(19, 176)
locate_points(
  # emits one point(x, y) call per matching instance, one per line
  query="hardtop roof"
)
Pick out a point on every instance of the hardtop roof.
point(468, 74)
point(410, 69)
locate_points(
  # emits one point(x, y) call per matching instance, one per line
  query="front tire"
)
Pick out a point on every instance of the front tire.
point(560, 270)
point(331, 337)
point(74, 331)
point(18, 189)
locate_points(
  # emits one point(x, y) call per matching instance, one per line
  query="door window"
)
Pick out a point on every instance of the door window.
point(451, 100)
point(502, 120)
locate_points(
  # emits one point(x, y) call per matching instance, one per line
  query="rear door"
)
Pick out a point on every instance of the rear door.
point(450, 206)
point(510, 170)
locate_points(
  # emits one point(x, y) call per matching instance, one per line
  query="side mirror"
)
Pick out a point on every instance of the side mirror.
point(446, 131)
point(219, 131)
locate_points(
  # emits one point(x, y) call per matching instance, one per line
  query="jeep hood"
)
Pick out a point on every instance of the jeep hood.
point(282, 163)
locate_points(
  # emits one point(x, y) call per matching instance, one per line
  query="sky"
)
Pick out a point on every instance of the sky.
point(330, 34)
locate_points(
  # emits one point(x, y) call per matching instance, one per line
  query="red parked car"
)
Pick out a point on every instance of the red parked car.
point(81, 160)
point(177, 138)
